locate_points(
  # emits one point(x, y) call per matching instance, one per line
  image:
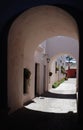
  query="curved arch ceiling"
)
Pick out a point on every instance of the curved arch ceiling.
point(39, 23)
point(62, 44)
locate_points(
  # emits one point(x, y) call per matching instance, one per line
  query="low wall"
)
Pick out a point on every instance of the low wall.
point(71, 73)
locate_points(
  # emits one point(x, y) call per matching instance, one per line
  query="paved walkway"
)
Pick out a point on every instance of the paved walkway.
point(57, 100)
point(67, 87)
point(45, 113)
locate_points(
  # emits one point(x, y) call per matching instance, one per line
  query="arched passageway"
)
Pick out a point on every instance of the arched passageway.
point(30, 29)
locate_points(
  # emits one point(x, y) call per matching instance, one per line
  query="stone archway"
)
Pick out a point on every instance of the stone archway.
point(26, 33)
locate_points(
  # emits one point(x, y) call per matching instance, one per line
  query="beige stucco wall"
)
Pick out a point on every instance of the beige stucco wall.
point(41, 60)
point(55, 76)
point(26, 33)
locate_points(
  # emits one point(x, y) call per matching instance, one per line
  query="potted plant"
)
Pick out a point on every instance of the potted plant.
point(57, 68)
point(50, 73)
point(27, 74)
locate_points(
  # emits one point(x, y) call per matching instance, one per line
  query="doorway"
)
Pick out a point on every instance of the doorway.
point(44, 78)
point(37, 75)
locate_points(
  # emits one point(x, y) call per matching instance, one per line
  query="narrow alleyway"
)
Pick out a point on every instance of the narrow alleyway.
point(54, 110)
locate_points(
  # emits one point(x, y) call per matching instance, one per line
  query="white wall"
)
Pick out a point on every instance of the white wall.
point(40, 58)
point(55, 76)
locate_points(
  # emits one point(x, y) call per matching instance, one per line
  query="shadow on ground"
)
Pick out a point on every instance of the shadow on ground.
point(35, 120)
point(26, 119)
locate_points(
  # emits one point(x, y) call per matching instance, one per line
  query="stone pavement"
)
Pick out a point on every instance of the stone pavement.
point(55, 110)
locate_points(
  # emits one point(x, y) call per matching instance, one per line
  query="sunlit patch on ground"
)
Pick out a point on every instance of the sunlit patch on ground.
point(53, 105)
point(67, 87)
